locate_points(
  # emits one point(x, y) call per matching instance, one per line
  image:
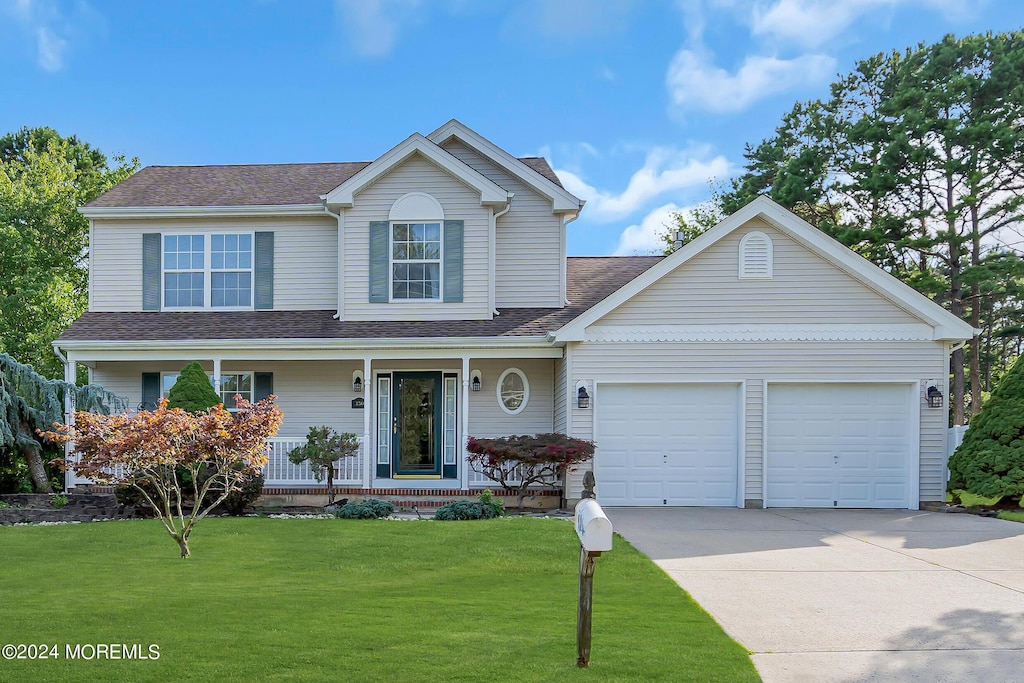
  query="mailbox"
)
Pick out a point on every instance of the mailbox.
point(593, 526)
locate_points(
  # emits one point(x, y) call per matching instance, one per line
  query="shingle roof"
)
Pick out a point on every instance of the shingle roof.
point(590, 280)
point(244, 185)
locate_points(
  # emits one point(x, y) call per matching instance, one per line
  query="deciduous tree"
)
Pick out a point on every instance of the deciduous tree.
point(518, 462)
point(145, 450)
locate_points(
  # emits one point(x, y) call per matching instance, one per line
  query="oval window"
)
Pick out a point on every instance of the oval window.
point(513, 391)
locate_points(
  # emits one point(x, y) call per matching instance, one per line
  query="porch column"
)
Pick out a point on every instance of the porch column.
point(465, 422)
point(69, 416)
point(216, 375)
point(369, 404)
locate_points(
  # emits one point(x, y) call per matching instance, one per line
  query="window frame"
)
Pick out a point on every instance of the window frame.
point(208, 270)
point(392, 261)
point(526, 391)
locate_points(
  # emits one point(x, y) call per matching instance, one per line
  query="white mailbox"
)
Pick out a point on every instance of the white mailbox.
point(593, 526)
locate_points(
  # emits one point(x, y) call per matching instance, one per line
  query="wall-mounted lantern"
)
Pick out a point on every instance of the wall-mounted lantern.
point(934, 396)
point(357, 382)
point(582, 397)
point(476, 380)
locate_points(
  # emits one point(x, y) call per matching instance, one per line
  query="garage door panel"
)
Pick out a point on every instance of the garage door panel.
point(838, 445)
point(673, 444)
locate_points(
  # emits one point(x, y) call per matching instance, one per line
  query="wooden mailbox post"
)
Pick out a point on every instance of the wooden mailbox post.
point(595, 532)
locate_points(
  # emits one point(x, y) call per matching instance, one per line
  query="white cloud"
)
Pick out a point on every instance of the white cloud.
point(51, 49)
point(647, 236)
point(373, 26)
point(565, 21)
point(665, 170)
point(694, 83)
point(813, 23)
point(51, 28)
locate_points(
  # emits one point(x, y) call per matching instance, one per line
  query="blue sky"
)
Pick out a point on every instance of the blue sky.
point(637, 105)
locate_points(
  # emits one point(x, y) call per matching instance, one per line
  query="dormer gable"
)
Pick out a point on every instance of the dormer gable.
point(562, 201)
point(343, 195)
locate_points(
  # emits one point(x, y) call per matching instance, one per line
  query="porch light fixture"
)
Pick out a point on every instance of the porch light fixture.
point(582, 397)
point(357, 382)
point(476, 380)
point(934, 396)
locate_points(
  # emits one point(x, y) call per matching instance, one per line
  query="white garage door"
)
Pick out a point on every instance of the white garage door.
point(667, 444)
point(839, 445)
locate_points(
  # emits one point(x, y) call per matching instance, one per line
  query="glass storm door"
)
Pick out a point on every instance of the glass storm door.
point(417, 425)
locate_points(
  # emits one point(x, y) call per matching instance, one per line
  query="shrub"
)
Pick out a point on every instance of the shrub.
point(990, 461)
point(193, 391)
point(243, 497)
point(371, 508)
point(465, 509)
point(322, 448)
point(58, 500)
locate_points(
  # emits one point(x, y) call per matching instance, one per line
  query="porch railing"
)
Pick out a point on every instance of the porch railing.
point(282, 472)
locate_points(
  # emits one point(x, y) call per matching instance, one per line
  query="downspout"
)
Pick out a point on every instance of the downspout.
point(565, 266)
point(337, 216)
point(493, 254)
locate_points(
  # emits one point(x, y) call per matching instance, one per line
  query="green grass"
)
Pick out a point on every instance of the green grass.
point(338, 600)
point(1012, 515)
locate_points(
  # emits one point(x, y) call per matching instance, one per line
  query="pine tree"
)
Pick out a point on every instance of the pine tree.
point(193, 391)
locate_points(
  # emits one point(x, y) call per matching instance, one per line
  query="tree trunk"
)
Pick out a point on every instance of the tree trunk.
point(183, 544)
point(36, 469)
point(975, 357)
point(330, 484)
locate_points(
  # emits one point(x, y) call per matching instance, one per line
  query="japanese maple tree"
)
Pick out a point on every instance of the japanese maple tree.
point(517, 462)
point(145, 450)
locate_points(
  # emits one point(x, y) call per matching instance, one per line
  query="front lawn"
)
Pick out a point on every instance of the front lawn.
point(338, 600)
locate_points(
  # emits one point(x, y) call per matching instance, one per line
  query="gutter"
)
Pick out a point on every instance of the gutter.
point(199, 211)
point(493, 250)
point(314, 343)
point(337, 216)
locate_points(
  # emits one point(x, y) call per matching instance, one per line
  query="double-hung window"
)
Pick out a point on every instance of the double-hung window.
point(207, 271)
point(415, 261)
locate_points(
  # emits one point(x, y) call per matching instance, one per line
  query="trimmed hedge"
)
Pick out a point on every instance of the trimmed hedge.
point(371, 508)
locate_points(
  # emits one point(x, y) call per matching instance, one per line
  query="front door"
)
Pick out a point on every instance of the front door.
point(416, 425)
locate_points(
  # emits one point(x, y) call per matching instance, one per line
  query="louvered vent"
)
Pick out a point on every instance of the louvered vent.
point(756, 256)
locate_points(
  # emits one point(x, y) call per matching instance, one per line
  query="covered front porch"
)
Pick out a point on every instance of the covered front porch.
point(412, 409)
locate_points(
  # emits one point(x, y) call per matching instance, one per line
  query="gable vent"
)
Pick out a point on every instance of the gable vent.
point(756, 256)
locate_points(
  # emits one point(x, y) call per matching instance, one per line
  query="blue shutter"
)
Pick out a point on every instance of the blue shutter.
point(262, 385)
point(263, 273)
point(151, 271)
point(380, 278)
point(453, 261)
point(150, 389)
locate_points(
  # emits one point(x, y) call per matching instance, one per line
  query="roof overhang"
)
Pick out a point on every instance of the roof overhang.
point(200, 211)
point(944, 324)
point(309, 349)
point(343, 195)
point(562, 201)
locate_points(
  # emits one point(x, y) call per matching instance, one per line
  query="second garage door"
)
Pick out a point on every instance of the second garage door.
point(667, 444)
point(839, 445)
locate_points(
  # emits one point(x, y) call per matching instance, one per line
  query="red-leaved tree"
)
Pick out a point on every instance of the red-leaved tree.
point(150, 449)
point(517, 462)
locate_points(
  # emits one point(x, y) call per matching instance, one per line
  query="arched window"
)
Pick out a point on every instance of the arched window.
point(416, 241)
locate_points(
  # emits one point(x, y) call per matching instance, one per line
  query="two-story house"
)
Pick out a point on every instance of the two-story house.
point(426, 296)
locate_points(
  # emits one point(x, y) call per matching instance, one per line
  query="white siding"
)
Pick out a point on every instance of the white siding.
point(309, 392)
point(560, 423)
point(805, 289)
point(487, 419)
point(528, 269)
point(756, 362)
point(374, 203)
point(305, 258)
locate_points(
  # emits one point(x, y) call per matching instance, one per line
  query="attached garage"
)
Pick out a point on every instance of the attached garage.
point(841, 445)
point(668, 444)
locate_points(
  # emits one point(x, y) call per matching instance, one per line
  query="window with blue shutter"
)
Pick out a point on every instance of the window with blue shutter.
point(151, 271)
point(264, 275)
point(453, 253)
point(380, 277)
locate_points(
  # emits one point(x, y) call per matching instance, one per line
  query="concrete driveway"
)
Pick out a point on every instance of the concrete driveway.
point(849, 595)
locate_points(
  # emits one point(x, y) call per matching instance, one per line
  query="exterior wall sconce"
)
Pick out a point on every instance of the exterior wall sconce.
point(582, 397)
point(357, 382)
point(934, 396)
point(476, 380)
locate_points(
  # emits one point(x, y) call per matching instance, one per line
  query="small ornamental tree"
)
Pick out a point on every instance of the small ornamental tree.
point(322, 448)
point(145, 450)
point(517, 462)
point(990, 461)
point(192, 391)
